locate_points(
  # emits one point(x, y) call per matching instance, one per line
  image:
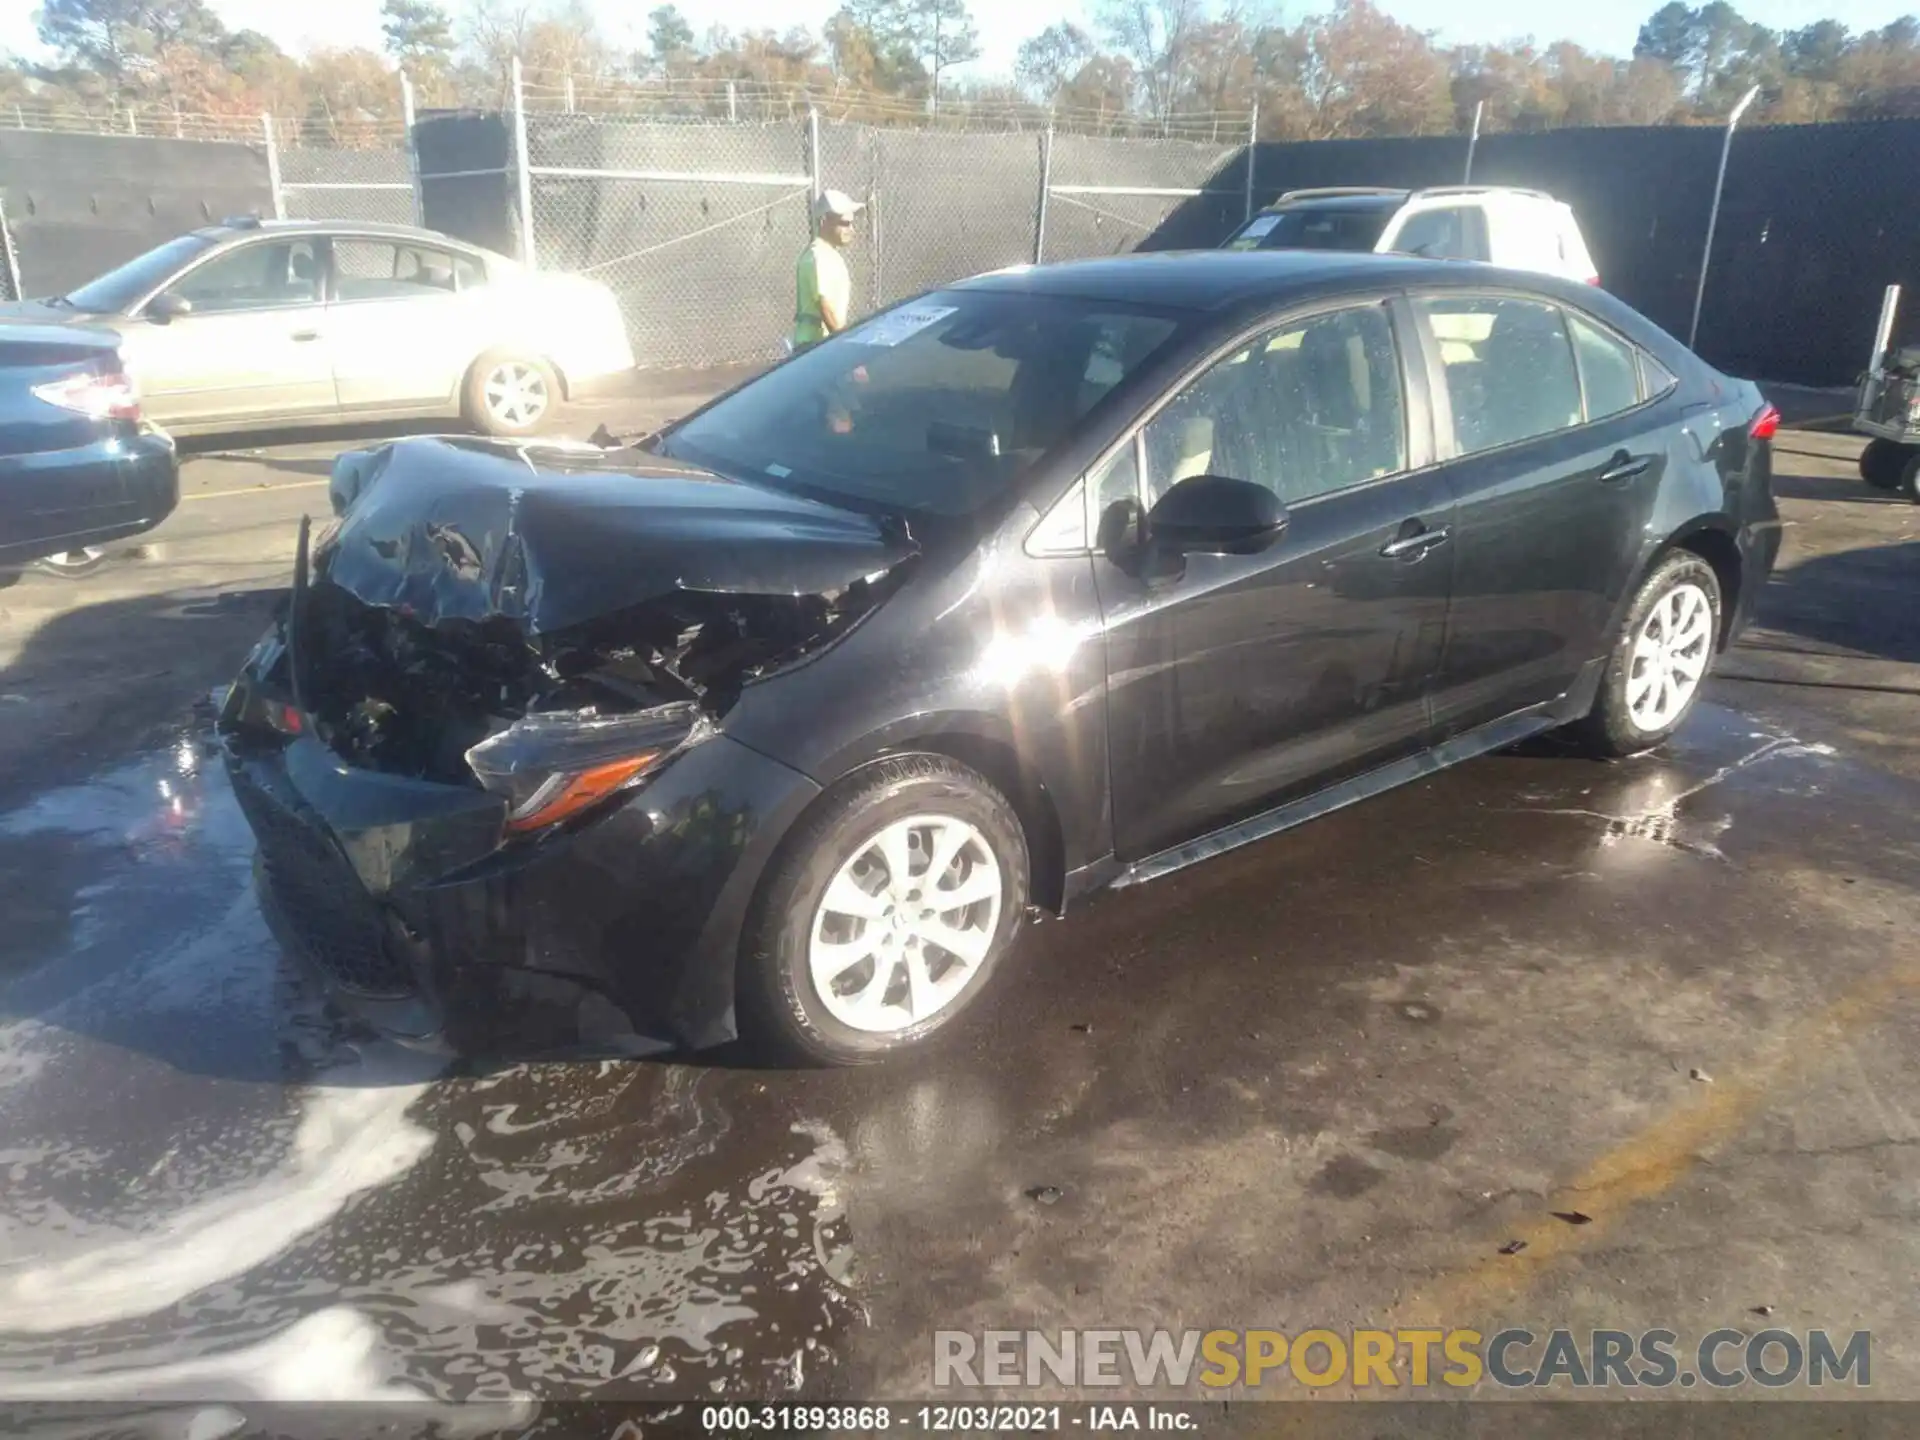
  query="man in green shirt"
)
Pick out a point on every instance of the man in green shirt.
point(823, 290)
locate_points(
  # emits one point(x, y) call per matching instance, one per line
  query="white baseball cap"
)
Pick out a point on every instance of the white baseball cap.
point(836, 203)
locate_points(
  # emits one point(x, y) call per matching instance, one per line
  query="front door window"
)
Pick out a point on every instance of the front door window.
point(265, 275)
point(1305, 409)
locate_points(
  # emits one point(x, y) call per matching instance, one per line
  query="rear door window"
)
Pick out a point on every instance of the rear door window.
point(1609, 373)
point(1509, 366)
point(1655, 377)
point(383, 270)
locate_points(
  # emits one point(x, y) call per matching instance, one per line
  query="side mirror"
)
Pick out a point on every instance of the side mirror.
point(168, 306)
point(1216, 515)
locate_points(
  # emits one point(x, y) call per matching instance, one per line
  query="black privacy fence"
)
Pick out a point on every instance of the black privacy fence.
point(695, 224)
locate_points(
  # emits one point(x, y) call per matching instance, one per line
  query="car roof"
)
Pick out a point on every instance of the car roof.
point(1214, 279)
point(233, 229)
point(1349, 201)
point(1384, 197)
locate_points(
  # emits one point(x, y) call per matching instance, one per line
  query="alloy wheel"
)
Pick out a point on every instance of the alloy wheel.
point(515, 393)
point(77, 561)
point(905, 924)
point(1669, 657)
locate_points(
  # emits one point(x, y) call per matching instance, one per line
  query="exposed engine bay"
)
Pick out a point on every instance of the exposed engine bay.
point(472, 587)
point(387, 693)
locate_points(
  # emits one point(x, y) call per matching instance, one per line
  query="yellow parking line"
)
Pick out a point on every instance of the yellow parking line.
point(254, 490)
point(1651, 1162)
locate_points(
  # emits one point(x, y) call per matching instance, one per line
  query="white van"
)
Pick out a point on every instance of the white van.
point(1520, 229)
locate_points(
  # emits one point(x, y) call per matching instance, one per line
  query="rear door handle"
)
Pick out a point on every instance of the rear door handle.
point(1624, 467)
point(1417, 543)
point(306, 334)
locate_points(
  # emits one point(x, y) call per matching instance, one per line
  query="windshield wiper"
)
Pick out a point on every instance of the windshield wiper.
point(61, 301)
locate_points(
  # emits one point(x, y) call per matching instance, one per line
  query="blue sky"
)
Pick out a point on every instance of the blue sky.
point(1005, 23)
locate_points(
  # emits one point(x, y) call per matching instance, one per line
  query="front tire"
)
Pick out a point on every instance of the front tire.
point(1659, 664)
point(1883, 462)
point(509, 394)
point(885, 915)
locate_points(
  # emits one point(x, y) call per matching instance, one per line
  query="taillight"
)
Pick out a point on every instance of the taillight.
point(1593, 279)
point(112, 396)
point(1765, 424)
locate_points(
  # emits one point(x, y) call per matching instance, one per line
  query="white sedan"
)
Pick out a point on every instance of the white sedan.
point(266, 323)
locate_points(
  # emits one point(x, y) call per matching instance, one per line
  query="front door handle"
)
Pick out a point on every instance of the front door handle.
point(1624, 467)
point(1415, 544)
point(306, 335)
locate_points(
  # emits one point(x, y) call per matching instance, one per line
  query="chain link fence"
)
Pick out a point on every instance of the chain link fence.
point(951, 205)
point(367, 171)
point(696, 224)
point(324, 184)
point(691, 200)
point(695, 227)
point(352, 167)
point(1105, 197)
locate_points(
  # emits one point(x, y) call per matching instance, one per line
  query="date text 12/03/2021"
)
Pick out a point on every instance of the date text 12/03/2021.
point(943, 1419)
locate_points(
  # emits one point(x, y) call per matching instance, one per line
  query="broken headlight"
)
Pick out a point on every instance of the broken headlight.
point(551, 767)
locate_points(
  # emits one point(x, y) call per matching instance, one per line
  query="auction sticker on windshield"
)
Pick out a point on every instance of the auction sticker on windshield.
point(898, 325)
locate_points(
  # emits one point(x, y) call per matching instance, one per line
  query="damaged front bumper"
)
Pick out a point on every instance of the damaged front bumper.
point(614, 935)
point(483, 750)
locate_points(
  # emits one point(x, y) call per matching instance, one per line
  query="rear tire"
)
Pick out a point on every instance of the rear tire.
point(509, 394)
point(74, 564)
point(1882, 463)
point(836, 966)
point(1909, 482)
point(1659, 663)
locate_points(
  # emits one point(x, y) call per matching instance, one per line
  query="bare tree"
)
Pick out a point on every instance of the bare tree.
point(1053, 57)
point(939, 34)
point(494, 31)
point(1360, 72)
point(1156, 37)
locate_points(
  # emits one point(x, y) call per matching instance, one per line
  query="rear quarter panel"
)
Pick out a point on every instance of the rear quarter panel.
point(571, 320)
point(1717, 479)
point(61, 472)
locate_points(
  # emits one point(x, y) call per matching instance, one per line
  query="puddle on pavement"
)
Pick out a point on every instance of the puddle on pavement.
point(1674, 797)
point(211, 1190)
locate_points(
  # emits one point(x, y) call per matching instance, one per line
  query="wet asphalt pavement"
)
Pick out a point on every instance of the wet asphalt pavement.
point(1322, 1081)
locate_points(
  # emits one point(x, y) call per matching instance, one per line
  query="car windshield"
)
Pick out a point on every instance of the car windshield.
point(937, 406)
point(125, 285)
point(1314, 229)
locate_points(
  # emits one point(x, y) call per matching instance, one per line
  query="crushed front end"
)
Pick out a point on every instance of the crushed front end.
point(483, 748)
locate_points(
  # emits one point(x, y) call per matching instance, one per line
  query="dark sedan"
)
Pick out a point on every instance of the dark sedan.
point(78, 467)
point(1059, 578)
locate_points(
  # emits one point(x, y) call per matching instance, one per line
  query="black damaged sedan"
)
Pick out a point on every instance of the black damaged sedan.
point(783, 720)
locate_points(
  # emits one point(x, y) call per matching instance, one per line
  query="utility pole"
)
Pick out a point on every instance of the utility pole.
point(1713, 215)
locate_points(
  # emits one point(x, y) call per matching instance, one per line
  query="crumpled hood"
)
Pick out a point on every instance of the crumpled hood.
point(554, 535)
